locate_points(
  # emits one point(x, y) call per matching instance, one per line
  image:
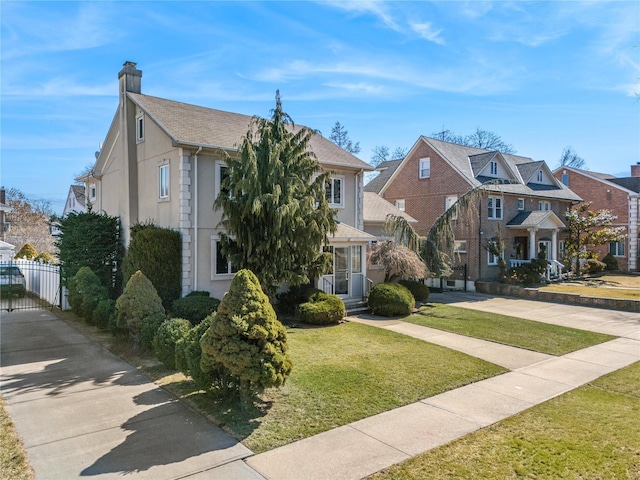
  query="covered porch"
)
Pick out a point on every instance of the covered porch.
point(348, 276)
point(535, 234)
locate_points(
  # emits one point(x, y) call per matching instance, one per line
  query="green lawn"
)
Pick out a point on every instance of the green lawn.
point(588, 433)
point(540, 337)
point(599, 292)
point(341, 374)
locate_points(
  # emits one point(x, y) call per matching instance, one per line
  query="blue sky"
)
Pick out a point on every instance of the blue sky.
point(542, 75)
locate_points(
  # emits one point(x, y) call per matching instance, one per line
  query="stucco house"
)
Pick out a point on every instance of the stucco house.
point(519, 195)
point(163, 160)
point(621, 195)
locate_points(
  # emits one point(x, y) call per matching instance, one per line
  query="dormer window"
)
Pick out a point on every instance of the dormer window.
point(539, 176)
point(494, 168)
point(140, 128)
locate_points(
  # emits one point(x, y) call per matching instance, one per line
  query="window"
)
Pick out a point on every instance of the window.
point(495, 208)
point(521, 204)
point(493, 259)
point(460, 246)
point(221, 266)
point(565, 178)
point(539, 176)
point(425, 167)
point(356, 259)
point(92, 192)
point(163, 181)
point(562, 248)
point(617, 248)
point(334, 191)
point(140, 128)
point(222, 172)
point(400, 204)
point(543, 205)
point(449, 202)
point(494, 168)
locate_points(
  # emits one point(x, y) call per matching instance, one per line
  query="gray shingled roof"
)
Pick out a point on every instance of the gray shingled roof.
point(479, 161)
point(386, 170)
point(78, 192)
point(347, 233)
point(534, 219)
point(189, 124)
point(630, 183)
point(377, 208)
point(459, 157)
point(528, 169)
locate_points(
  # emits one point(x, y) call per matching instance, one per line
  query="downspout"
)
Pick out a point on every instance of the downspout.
point(195, 219)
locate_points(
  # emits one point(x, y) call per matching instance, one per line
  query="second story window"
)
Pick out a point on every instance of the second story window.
point(494, 211)
point(521, 204)
point(565, 178)
point(334, 191)
point(163, 181)
point(425, 168)
point(400, 204)
point(449, 202)
point(92, 192)
point(544, 205)
point(539, 176)
point(494, 168)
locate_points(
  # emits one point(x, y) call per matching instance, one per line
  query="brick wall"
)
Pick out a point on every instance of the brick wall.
point(601, 196)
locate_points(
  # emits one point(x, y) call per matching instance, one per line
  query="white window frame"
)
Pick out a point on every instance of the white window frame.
point(460, 246)
point(544, 205)
point(229, 273)
point(401, 204)
point(92, 192)
point(164, 181)
point(616, 247)
point(450, 202)
point(493, 167)
point(493, 208)
point(521, 204)
point(140, 128)
point(492, 260)
point(219, 167)
point(424, 167)
point(331, 190)
point(539, 176)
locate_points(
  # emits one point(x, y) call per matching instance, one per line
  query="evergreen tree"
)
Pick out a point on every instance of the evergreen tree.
point(274, 209)
point(247, 339)
point(340, 137)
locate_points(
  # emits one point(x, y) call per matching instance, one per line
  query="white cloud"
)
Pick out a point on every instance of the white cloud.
point(426, 31)
point(373, 7)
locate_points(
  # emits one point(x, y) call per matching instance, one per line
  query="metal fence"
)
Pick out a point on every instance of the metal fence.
point(41, 282)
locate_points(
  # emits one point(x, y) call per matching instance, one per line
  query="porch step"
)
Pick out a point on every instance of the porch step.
point(356, 307)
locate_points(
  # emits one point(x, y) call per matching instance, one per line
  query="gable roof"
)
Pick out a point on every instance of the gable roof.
point(193, 125)
point(544, 219)
point(377, 208)
point(460, 158)
point(386, 170)
point(78, 193)
point(627, 184)
point(347, 233)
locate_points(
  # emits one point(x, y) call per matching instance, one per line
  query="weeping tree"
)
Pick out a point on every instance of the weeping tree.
point(436, 249)
point(274, 209)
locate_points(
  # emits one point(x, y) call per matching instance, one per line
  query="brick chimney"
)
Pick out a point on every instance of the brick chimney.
point(130, 78)
point(635, 170)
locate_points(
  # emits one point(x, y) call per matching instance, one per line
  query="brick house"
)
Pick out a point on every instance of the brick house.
point(163, 160)
point(621, 195)
point(524, 200)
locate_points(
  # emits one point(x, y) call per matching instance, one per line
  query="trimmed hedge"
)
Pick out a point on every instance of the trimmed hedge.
point(85, 293)
point(391, 299)
point(611, 262)
point(195, 307)
point(418, 289)
point(104, 315)
point(289, 301)
point(27, 251)
point(322, 309)
point(166, 338)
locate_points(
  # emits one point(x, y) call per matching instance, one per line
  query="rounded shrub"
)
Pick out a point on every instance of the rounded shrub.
point(169, 333)
point(45, 257)
point(611, 262)
point(195, 307)
point(288, 302)
point(104, 315)
point(322, 309)
point(418, 289)
point(85, 292)
point(390, 299)
point(27, 251)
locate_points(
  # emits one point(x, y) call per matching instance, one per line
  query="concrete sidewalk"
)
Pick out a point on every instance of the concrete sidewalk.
point(369, 445)
point(81, 411)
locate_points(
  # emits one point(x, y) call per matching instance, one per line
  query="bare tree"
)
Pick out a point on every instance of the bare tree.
point(570, 158)
point(381, 153)
point(29, 222)
point(479, 139)
point(340, 137)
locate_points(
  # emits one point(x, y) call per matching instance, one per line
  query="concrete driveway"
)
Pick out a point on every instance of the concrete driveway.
point(82, 412)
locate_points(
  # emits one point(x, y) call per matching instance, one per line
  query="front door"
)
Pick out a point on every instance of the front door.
point(545, 247)
point(341, 271)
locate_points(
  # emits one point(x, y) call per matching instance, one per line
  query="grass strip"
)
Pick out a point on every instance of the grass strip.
point(590, 432)
point(598, 292)
point(13, 459)
point(517, 332)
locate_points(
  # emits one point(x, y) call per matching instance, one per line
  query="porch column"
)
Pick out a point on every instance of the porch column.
point(554, 244)
point(532, 243)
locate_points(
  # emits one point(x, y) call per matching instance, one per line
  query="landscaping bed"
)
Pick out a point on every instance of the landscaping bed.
point(517, 332)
